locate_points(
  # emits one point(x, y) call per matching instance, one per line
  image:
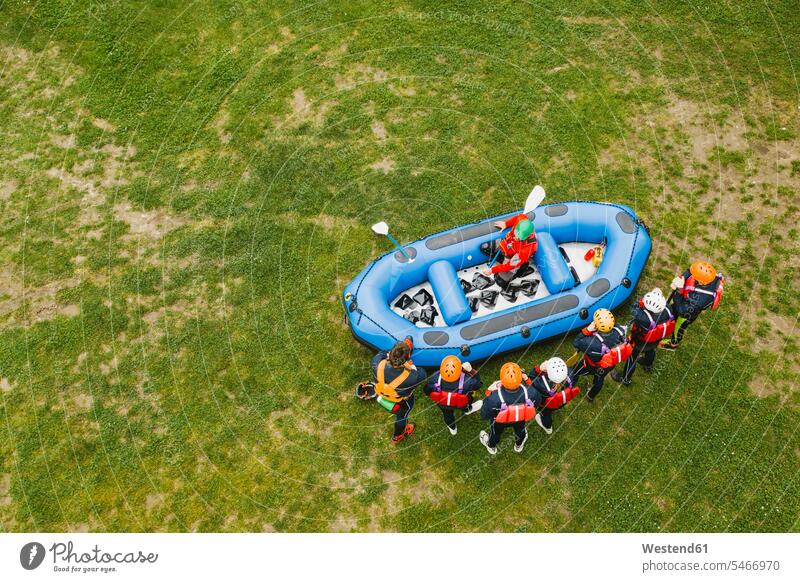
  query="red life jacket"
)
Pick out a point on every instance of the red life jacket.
point(516, 412)
point(561, 398)
point(615, 355)
point(657, 332)
point(455, 399)
point(690, 286)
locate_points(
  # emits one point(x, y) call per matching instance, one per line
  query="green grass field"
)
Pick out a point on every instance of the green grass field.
point(185, 189)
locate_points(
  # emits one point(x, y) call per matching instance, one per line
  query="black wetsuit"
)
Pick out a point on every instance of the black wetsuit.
point(405, 390)
point(472, 382)
point(543, 389)
point(643, 352)
point(491, 408)
point(593, 349)
point(691, 306)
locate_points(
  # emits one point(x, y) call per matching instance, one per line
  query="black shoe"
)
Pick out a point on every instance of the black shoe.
point(617, 377)
point(648, 369)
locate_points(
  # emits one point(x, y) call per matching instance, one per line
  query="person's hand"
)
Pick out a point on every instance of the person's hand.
point(409, 365)
point(591, 327)
point(466, 366)
point(543, 366)
point(487, 272)
point(677, 283)
point(499, 224)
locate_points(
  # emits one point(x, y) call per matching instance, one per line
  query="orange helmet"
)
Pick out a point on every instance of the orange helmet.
point(511, 375)
point(703, 272)
point(450, 369)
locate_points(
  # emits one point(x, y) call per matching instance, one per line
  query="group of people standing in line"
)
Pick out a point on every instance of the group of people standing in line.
point(518, 397)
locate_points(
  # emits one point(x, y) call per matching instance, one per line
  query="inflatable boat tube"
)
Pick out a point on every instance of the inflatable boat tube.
point(448, 307)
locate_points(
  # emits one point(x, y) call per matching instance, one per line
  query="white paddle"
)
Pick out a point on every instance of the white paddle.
point(382, 229)
point(534, 199)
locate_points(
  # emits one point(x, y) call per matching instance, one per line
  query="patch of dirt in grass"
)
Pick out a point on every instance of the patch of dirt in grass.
point(305, 111)
point(343, 524)
point(359, 74)
point(83, 401)
point(40, 301)
point(153, 500)
point(6, 385)
point(147, 223)
point(385, 165)
point(7, 188)
point(379, 130)
point(5, 489)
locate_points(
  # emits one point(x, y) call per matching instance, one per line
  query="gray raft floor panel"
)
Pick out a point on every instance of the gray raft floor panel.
point(575, 252)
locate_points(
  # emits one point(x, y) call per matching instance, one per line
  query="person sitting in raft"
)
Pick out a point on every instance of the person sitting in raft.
point(516, 248)
point(652, 322)
point(508, 404)
point(603, 345)
point(552, 385)
point(396, 377)
point(694, 291)
point(451, 389)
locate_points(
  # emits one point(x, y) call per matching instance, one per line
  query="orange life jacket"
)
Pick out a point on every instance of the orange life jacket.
point(516, 412)
point(657, 332)
point(455, 399)
point(389, 391)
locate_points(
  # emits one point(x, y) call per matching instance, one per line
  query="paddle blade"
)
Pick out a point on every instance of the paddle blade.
point(534, 198)
point(380, 228)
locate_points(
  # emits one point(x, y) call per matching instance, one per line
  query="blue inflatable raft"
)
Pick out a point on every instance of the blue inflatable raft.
point(448, 307)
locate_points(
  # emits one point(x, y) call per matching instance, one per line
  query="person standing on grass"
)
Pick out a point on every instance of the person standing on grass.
point(652, 322)
point(507, 405)
point(601, 338)
point(694, 291)
point(547, 380)
point(396, 377)
point(452, 387)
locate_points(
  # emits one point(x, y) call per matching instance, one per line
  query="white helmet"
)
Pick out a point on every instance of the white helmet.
point(654, 301)
point(556, 370)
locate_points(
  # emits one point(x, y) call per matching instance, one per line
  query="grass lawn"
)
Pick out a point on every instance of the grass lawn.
point(186, 187)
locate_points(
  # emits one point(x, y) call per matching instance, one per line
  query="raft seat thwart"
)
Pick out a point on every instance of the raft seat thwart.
point(453, 303)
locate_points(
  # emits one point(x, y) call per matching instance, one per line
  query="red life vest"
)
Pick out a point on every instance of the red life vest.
point(516, 412)
point(455, 399)
point(560, 399)
point(657, 332)
point(613, 356)
point(690, 286)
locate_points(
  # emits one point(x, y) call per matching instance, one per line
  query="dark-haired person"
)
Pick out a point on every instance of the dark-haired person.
point(396, 377)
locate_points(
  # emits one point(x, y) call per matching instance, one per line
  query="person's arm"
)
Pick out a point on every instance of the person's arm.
point(430, 386)
point(472, 382)
point(490, 406)
point(514, 220)
point(583, 340)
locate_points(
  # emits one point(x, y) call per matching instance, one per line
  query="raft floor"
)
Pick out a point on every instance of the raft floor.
point(575, 252)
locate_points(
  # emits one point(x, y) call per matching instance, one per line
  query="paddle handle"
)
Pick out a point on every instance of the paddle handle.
point(399, 248)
